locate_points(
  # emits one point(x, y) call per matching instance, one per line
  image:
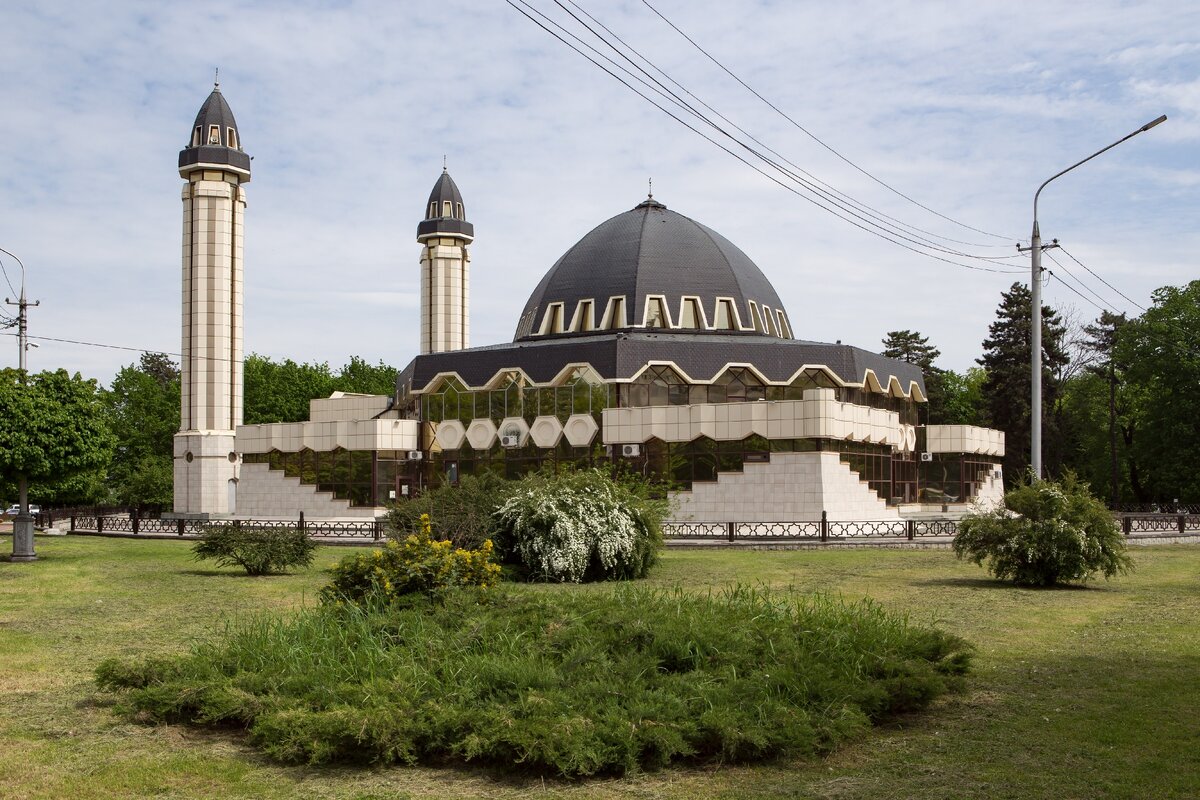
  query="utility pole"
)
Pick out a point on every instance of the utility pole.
point(1035, 286)
point(23, 523)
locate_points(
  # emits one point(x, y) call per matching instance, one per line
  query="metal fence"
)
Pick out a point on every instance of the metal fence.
point(825, 529)
point(133, 523)
point(821, 530)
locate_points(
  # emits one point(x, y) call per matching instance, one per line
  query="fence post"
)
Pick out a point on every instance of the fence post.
point(72, 528)
point(1182, 523)
point(910, 527)
point(1127, 525)
point(731, 530)
point(824, 526)
point(300, 525)
point(377, 529)
point(179, 523)
point(133, 516)
point(99, 524)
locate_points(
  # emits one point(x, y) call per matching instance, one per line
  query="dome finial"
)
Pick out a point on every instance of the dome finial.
point(216, 79)
point(650, 191)
point(443, 163)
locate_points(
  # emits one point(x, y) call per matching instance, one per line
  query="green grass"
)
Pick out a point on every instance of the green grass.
point(1075, 693)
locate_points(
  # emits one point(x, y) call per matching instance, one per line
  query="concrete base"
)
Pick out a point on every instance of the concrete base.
point(23, 539)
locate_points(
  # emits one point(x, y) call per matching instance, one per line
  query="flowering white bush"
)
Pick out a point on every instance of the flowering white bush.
point(582, 525)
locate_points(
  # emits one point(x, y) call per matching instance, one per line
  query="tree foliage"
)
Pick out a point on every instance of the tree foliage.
point(280, 391)
point(1007, 387)
point(1160, 356)
point(143, 413)
point(52, 430)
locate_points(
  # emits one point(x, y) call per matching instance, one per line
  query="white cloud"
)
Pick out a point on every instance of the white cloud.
point(348, 109)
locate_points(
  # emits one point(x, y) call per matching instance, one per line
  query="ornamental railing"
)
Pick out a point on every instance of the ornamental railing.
point(821, 530)
point(825, 529)
point(132, 523)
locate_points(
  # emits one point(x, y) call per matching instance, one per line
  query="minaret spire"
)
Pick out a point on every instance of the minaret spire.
point(445, 268)
point(216, 79)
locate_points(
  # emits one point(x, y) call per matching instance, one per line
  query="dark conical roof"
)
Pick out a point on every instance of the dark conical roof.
point(441, 218)
point(214, 138)
point(651, 251)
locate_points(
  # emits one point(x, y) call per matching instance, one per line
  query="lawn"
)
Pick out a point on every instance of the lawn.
point(1076, 693)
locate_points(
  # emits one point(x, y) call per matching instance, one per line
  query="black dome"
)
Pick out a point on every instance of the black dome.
point(651, 252)
point(214, 137)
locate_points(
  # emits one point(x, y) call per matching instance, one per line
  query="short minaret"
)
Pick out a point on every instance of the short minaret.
point(445, 270)
point(214, 206)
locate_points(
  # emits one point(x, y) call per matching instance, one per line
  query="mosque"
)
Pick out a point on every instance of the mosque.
point(653, 341)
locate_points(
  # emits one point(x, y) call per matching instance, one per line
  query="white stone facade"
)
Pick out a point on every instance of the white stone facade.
point(791, 487)
point(445, 294)
point(359, 434)
point(267, 493)
point(818, 415)
point(964, 439)
point(214, 203)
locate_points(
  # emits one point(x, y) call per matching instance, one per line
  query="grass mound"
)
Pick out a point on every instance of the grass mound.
point(573, 684)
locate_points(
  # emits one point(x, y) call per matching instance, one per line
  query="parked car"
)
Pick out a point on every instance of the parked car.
point(15, 509)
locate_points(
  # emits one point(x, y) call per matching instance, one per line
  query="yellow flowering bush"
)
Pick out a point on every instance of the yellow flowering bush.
point(418, 564)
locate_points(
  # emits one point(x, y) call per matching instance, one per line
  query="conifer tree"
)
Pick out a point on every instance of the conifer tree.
point(1007, 389)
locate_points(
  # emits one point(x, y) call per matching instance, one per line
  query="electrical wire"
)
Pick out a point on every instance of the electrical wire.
point(1097, 277)
point(672, 97)
point(813, 136)
point(867, 209)
point(865, 225)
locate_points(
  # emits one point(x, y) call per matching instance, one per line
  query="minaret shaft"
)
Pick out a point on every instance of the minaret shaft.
point(216, 170)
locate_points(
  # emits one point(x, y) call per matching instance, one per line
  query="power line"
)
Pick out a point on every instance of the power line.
point(873, 212)
point(130, 349)
point(865, 224)
point(671, 96)
point(1097, 277)
point(813, 136)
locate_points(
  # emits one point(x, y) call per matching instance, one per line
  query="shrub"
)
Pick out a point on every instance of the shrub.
point(583, 525)
point(1045, 533)
point(259, 551)
point(464, 514)
point(574, 684)
point(419, 564)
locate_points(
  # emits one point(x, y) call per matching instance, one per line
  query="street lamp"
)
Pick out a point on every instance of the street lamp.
point(1035, 285)
point(23, 523)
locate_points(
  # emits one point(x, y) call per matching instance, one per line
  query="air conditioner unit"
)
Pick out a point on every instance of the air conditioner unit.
point(510, 441)
point(631, 450)
point(927, 456)
point(414, 455)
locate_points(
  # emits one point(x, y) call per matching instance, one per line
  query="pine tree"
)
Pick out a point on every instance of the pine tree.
point(1007, 390)
point(911, 347)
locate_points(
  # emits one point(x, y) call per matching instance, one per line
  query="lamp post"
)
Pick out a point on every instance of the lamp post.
point(1035, 285)
point(23, 523)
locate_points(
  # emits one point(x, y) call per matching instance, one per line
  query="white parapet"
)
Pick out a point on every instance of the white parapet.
point(344, 406)
point(360, 434)
point(818, 415)
point(964, 439)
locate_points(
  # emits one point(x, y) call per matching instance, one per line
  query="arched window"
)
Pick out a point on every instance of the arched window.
point(447, 208)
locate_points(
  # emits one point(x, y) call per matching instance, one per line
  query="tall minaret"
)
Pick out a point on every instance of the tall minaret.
point(214, 207)
point(445, 269)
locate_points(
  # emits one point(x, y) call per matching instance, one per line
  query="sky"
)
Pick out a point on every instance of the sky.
point(348, 109)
